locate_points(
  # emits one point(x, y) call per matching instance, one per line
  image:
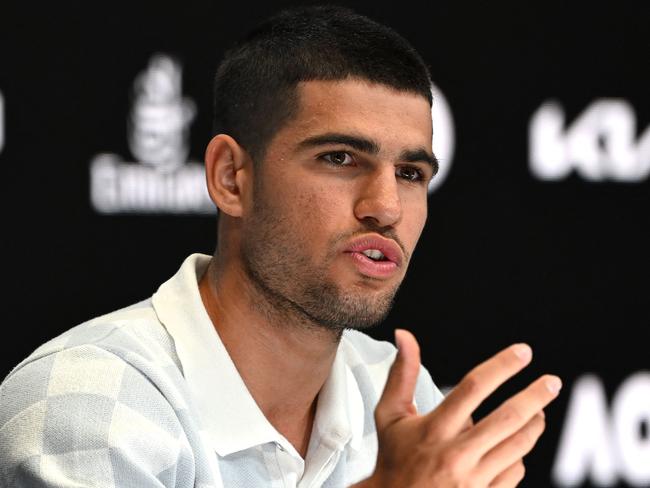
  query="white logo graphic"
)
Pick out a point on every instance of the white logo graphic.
point(602, 445)
point(2, 123)
point(158, 137)
point(600, 145)
point(443, 136)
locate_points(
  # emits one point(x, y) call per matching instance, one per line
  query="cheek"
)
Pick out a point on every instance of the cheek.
point(318, 210)
point(306, 213)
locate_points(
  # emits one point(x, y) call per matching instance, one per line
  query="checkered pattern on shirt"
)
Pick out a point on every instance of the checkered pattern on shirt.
point(98, 407)
point(106, 405)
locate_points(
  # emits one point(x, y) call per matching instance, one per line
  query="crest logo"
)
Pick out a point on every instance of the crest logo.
point(162, 180)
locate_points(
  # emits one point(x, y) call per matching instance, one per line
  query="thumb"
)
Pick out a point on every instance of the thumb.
point(397, 399)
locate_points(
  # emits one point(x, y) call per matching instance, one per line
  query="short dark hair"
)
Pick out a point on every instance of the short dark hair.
point(255, 84)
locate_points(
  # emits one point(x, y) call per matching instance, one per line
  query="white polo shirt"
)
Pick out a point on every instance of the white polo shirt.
point(148, 396)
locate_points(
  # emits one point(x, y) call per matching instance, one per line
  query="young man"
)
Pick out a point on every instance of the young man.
point(249, 368)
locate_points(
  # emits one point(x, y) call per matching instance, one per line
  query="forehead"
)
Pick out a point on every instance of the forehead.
point(392, 117)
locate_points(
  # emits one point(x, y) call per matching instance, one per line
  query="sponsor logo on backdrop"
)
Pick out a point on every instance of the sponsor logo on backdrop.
point(606, 445)
point(161, 179)
point(2, 122)
point(443, 137)
point(600, 145)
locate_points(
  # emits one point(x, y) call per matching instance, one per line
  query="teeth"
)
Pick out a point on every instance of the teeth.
point(373, 254)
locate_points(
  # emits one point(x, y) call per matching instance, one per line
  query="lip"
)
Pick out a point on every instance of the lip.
point(376, 269)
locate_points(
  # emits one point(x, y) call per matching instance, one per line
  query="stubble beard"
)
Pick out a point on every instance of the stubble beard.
point(298, 291)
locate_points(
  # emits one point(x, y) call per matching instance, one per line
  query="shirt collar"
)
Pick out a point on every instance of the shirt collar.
point(226, 408)
point(340, 411)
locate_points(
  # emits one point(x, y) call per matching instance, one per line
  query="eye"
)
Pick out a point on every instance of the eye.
point(410, 173)
point(338, 158)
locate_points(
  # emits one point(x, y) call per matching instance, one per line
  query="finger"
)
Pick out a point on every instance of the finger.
point(513, 414)
point(397, 398)
point(511, 477)
point(511, 450)
point(451, 415)
point(468, 425)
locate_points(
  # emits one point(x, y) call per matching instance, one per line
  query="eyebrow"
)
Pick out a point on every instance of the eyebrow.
point(417, 155)
point(369, 146)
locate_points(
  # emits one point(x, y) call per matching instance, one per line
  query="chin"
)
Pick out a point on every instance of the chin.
point(346, 306)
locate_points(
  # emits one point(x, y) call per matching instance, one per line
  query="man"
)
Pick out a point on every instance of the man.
point(249, 369)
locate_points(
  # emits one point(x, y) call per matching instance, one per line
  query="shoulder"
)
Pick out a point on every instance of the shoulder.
point(370, 361)
point(94, 358)
point(132, 334)
point(74, 401)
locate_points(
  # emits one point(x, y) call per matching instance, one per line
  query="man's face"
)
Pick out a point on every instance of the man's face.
point(346, 176)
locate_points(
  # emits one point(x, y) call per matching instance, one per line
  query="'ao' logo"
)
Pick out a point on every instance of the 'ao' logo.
point(604, 444)
point(162, 180)
point(600, 145)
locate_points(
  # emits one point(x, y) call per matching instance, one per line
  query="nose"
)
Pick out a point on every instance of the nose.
point(379, 198)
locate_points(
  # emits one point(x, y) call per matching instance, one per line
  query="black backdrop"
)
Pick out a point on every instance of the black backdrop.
point(506, 256)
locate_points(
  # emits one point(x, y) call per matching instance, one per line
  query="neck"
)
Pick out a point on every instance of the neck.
point(283, 358)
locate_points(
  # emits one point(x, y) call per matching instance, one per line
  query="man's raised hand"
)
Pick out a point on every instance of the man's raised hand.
point(443, 449)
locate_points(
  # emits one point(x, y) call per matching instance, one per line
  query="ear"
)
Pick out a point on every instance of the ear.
point(227, 174)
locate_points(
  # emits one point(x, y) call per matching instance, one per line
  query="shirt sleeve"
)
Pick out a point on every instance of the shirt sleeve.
point(84, 417)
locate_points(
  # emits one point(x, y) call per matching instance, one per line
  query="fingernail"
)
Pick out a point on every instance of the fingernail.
point(523, 352)
point(554, 384)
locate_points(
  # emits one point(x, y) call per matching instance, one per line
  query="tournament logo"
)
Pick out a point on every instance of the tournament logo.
point(600, 145)
point(602, 440)
point(443, 137)
point(161, 180)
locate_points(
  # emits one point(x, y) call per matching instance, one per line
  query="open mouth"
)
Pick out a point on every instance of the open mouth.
point(374, 254)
